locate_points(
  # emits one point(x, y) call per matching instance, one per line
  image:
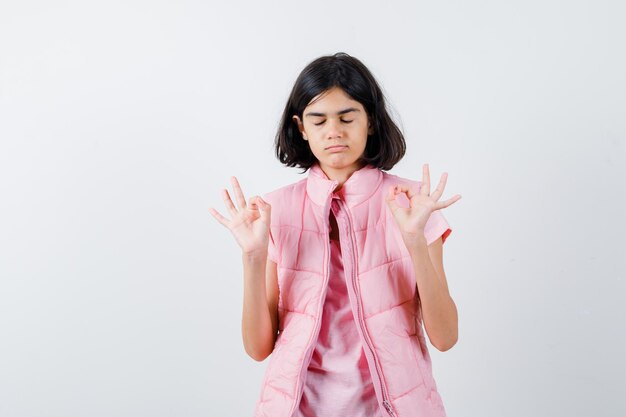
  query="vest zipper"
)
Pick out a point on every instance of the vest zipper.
point(388, 408)
point(360, 320)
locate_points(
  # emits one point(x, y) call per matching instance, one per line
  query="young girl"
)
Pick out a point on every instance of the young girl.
point(343, 267)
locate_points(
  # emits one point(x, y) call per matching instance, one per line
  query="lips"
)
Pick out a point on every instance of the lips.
point(336, 148)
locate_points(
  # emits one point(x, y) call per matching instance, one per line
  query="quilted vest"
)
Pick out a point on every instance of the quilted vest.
point(381, 285)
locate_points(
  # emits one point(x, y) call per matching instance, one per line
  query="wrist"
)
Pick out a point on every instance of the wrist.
point(259, 255)
point(414, 239)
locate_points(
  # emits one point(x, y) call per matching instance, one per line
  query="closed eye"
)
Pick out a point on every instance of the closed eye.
point(344, 121)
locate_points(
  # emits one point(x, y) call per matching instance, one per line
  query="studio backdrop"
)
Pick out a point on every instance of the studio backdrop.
point(121, 121)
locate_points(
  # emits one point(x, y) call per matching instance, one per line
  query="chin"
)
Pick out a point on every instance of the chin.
point(342, 165)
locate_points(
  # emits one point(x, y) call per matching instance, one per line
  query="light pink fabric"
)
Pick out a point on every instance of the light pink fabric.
point(381, 287)
point(338, 381)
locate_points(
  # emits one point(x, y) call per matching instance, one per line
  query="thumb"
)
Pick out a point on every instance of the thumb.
point(391, 199)
point(266, 211)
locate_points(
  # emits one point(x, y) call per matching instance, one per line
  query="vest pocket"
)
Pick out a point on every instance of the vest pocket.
point(416, 348)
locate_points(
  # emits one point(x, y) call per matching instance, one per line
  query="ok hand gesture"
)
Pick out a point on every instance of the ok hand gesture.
point(412, 220)
point(249, 223)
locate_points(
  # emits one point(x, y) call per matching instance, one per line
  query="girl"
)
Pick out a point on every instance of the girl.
point(342, 268)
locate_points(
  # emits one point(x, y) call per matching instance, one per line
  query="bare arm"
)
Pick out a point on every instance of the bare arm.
point(250, 224)
point(259, 324)
point(438, 309)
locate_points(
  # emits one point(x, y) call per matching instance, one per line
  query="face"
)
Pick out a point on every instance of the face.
point(336, 128)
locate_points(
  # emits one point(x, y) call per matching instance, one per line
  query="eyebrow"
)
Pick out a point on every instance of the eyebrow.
point(339, 113)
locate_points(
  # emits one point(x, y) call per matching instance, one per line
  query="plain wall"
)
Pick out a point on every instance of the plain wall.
point(121, 121)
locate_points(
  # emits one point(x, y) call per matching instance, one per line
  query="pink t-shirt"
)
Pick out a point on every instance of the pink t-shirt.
point(338, 381)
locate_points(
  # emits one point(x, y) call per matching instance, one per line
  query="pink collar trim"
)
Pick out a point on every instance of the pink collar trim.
point(358, 188)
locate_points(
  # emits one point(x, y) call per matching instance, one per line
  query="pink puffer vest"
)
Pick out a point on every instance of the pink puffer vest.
point(381, 284)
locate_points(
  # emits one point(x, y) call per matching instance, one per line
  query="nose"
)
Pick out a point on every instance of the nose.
point(335, 130)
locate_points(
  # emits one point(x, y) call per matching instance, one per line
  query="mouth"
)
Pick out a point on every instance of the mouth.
point(336, 148)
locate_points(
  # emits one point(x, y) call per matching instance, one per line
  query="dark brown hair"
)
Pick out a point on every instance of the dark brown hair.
point(385, 146)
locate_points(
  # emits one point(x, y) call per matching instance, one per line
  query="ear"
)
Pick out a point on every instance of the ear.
point(297, 120)
point(370, 128)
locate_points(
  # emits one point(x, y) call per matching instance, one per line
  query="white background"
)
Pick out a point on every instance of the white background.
point(120, 122)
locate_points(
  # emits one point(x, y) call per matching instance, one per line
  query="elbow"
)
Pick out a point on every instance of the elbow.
point(446, 344)
point(258, 348)
point(259, 353)
point(443, 347)
point(446, 335)
point(258, 356)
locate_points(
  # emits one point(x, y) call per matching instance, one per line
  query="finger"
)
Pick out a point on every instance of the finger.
point(266, 211)
point(448, 202)
point(406, 190)
point(391, 198)
point(403, 189)
point(254, 208)
point(253, 203)
point(393, 193)
point(436, 194)
point(425, 180)
point(223, 220)
point(241, 200)
point(229, 203)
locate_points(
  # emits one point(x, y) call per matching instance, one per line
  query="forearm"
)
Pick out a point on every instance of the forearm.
point(439, 311)
point(256, 326)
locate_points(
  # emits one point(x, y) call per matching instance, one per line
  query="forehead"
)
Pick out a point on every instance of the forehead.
point(332, 99)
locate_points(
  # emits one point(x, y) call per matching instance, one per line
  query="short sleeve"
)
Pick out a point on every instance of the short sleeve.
point(436, 226)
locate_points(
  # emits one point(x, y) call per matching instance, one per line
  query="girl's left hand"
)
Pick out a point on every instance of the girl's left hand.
point(412, 220)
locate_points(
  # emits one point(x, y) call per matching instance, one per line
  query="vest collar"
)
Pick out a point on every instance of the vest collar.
point(357, 188)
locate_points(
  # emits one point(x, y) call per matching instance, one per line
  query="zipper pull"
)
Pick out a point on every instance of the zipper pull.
point(388, 408)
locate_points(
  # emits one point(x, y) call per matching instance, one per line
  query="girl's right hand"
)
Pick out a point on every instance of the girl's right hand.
point(249, 223)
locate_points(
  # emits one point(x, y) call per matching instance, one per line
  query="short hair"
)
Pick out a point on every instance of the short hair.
point(384, 147)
